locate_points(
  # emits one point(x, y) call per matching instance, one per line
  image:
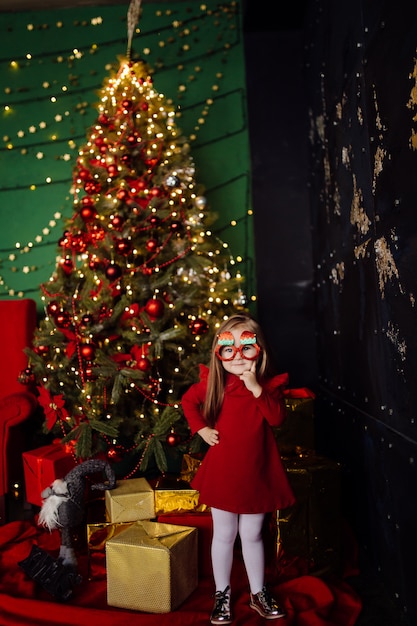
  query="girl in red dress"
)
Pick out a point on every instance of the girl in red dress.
point(241, 477)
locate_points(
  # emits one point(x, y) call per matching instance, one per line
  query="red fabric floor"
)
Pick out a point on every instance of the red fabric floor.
point(309, 600)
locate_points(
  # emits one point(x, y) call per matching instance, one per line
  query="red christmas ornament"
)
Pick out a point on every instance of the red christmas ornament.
point(83, 174)
point(113, 271)
point(103, 119)
point(144, 364)
point(154, 220)
point(79, 243)
point(52, 308)
point(155, 192)
point(42, 350)
point(173, 439)
point(63, 319)
point(117, 222)
point(99, 141)
point(89, 374)
point(67, 266)
point(64, 241)
point(126, 159)
point(92, 186)
point(127, 104)
point(87, 351)
point(176, 226)
point(131, 312)
point(86, 320)
point(152, 245)
point(88, 213)
point(26, 377)
point(96, 233)
point(87, 201)
point(144, 106)
point(155, 308)
point(122, 194)
point(123, 246)
point(199, 326)
point(114, 455)
point(112, 170)
point(133, 139)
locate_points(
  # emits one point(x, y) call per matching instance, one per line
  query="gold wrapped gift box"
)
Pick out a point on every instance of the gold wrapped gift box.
point(131, 500)
point(298, 428)
point(311, 528)
point(174, 495)
point(97, 536)
point(151, 567)
point(177, 501)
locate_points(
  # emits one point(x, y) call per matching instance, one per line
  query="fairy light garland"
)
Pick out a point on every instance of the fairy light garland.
point(160, 40)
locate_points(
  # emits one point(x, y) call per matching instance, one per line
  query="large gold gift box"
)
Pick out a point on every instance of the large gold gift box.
point(311, 528)
point(131, 500)
point(152, 567)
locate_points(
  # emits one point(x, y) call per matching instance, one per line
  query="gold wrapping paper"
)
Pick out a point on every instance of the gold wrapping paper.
point(152, 567)
point(297, 431)
point(97, 536)
point(131, 500)
point(311, 528)
point(189, 467)
point(177, 501)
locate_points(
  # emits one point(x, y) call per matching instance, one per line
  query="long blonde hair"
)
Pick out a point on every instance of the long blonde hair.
point(217, 374)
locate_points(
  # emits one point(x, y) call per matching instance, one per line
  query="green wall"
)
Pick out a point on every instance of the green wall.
point(52, 65)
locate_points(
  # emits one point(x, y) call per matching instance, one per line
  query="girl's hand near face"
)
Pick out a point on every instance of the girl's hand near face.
point(251, 383)
point(210, 435)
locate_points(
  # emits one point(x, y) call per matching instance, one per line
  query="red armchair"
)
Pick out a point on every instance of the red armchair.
point(17, 401)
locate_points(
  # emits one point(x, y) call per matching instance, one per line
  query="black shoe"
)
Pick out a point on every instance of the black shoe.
point(265, 605)
point(221, 613)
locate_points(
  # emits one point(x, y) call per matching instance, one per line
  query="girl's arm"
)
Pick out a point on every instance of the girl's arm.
point(192, 403)
point(272, 400)
point(272, 407)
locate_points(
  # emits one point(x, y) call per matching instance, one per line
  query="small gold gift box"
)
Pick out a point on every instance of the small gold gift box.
point(176, 496)
point(177, 501)
point(131, 500)
point(152, 567)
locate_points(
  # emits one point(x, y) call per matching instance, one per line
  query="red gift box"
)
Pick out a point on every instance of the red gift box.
point(42, 466)
point(204, 524)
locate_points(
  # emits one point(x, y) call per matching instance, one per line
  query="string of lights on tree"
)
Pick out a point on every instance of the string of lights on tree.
point(49, 96)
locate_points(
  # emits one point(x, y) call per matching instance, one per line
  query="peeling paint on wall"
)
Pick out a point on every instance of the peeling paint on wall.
point(380, 155)
point(337, 273)
point(360, 251)
point(399, 344)
point(380, 152)
point(358, 216)
point(385, 264)
point(412, 104)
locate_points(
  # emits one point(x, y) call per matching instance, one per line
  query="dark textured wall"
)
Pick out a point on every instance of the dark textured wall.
point(278, 129)
point(360, 59)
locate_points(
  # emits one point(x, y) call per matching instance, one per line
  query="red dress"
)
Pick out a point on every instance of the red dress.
point(243, 473)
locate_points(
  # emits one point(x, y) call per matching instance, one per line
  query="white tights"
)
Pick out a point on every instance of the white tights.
point(226, 526)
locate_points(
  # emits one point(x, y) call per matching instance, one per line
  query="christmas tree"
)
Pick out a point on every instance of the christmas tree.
point(140, 286)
